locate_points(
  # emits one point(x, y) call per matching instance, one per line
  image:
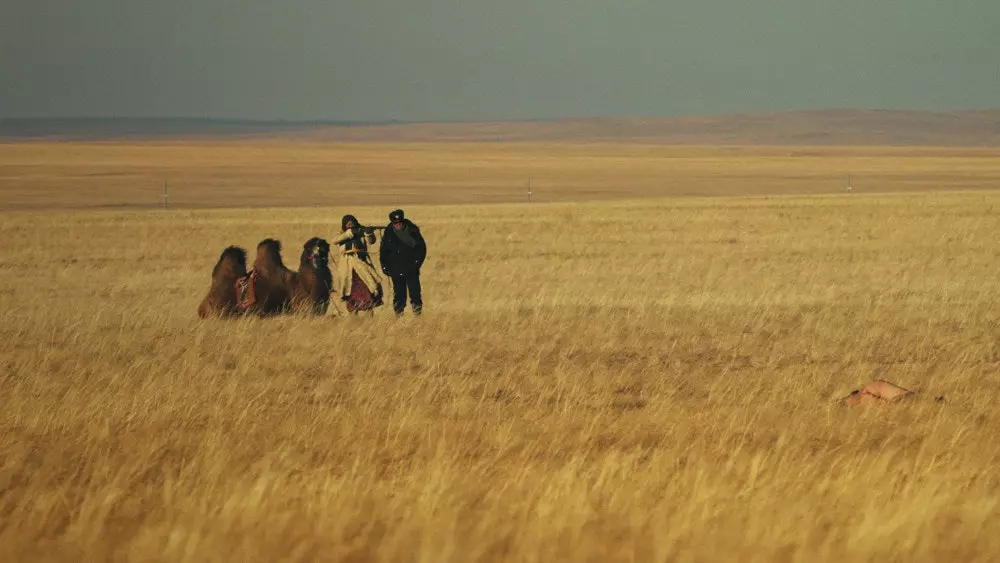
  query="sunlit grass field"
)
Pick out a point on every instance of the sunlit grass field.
point(626, 380)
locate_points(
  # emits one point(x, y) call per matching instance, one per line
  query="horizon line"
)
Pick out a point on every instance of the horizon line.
point(394, 121)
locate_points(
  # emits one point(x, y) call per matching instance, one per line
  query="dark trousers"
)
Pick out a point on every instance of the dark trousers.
point(401, 283)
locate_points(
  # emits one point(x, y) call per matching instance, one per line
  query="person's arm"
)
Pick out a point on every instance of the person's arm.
point(344, 236)
point(384, 249)
point(421, 248)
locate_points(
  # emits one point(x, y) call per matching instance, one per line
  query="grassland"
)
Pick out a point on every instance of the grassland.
point(618, 380)
point(257, 173)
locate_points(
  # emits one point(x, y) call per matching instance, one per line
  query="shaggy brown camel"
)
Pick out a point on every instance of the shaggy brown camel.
point(272, 283)
point(314, 281)
point(222, 299)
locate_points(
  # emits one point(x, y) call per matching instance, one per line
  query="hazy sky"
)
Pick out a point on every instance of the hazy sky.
point(492, 59)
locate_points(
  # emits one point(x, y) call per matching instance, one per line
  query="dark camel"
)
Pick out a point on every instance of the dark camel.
point(273, 284)
point(314, 282)
point(222, 299)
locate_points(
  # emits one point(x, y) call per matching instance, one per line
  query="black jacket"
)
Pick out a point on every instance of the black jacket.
point(398, 257)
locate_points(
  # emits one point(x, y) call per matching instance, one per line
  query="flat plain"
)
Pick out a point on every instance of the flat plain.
point(610, 373)
point(271, 173)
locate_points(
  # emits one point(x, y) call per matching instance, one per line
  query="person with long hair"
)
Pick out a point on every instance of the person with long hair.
point(359, 284)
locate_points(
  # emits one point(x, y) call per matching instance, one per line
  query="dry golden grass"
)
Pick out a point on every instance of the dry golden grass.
point(261, 173)
point(605, 381)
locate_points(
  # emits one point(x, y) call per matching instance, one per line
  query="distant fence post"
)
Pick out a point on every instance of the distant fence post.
point(529, 189)
point(166, 195)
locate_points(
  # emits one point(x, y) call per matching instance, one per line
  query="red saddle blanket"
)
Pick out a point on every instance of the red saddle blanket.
point(246, 297)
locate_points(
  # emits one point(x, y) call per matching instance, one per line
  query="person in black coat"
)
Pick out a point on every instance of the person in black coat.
point(402, 253)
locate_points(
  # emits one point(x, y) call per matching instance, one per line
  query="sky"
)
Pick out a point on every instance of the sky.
point(452, 60)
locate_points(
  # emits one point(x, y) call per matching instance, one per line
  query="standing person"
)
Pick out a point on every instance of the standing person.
point(360, 287)
point(402, 254)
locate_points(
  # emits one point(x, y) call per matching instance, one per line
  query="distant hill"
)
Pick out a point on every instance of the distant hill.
point(97, 128)
point(813, 127)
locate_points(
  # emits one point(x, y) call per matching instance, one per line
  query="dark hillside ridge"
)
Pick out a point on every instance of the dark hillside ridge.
point(813, 127)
